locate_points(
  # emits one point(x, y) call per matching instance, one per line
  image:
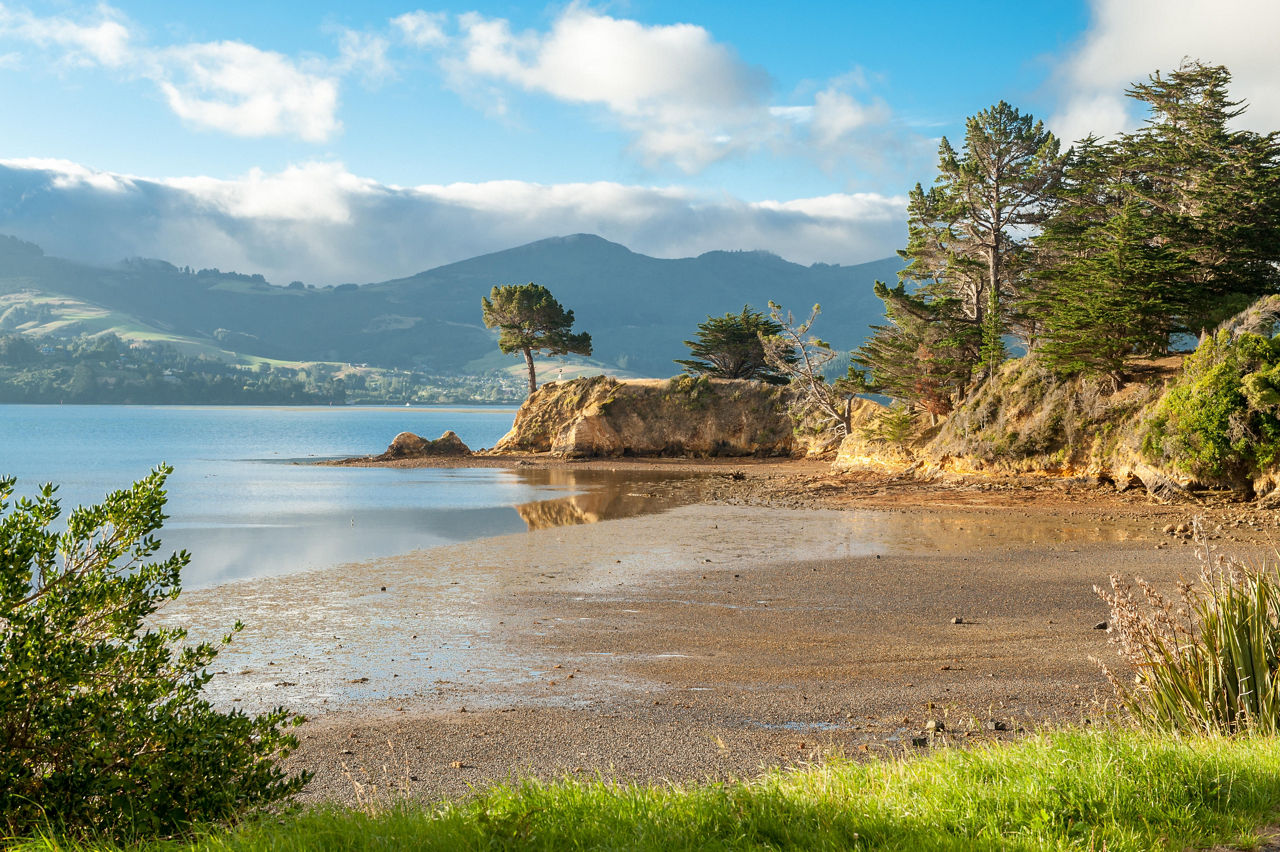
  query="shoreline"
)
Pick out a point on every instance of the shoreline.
point(820, 625)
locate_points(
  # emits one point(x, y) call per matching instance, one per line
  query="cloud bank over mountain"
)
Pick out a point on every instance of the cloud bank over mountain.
point(319, 223)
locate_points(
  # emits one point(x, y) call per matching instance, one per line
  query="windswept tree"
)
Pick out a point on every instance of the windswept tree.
point(529, 319)
point(1170, 228)
point(967, 234)
point(729, 347)
point(800, 356)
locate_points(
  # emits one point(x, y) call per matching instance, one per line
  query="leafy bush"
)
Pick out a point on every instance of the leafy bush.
point(102, 726)
point(1211, 664)
point(1221, 417)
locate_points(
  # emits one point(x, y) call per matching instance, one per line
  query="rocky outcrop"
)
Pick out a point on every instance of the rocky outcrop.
point(407, 445)
point(684, 416)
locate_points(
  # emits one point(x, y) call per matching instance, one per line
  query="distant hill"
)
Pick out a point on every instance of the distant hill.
point(638, 309)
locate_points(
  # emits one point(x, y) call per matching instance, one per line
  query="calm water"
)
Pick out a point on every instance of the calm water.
point(243, 499)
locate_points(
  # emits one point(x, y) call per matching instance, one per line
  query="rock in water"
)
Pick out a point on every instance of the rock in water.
point(407, 445)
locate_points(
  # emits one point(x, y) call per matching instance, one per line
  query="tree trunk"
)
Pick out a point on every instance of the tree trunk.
point(533, 377)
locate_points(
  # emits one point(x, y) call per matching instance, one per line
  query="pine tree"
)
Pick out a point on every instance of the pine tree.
point(1213, 193)
point(1112, 300)
point(1166, 229)
point(729, 347)
point(530, 319)
point(925, 353)
point(965, 233)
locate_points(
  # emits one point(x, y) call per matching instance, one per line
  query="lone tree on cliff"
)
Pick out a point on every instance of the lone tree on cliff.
point(729, 347)
point(530, 319)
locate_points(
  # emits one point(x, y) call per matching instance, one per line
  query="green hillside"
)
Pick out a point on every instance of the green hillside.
point(637, 308)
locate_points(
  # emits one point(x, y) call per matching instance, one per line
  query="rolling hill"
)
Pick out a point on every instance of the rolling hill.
point(638, 309)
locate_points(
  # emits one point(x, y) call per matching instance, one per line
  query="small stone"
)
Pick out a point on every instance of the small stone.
point(1101, 625)
point(1168, 529)
point(458, 764)
point(958, 620)
point(384, 588)
point(935, 725)
point(995, 725)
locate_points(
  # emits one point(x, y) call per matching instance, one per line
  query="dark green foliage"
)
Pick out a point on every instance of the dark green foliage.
point(102, 727)
point(529, 319)
point(1221, 418)
point(729, 347)
point(895, 425)
point(925, 354)
point(1214, 192)
point(1109, 298)
point(1171, 228)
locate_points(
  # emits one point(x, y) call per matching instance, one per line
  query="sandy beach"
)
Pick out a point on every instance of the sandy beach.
point(767, 614)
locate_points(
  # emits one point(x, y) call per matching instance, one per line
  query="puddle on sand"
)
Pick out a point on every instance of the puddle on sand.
point(603, 495)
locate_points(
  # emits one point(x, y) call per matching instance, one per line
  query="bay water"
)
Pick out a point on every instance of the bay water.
point(246, 497)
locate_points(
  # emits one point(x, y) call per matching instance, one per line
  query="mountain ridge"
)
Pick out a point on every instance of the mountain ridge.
point(638, 308)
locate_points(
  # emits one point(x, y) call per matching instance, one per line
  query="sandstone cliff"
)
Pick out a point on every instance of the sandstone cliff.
point(683, 416)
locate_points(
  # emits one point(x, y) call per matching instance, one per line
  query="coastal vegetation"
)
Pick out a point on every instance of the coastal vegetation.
point(1087, 259)
point(103, 730)
point(731, 347)
point(1094, 266)
point(529, 319)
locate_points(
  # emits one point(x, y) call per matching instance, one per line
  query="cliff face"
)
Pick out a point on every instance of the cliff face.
point(684, 416)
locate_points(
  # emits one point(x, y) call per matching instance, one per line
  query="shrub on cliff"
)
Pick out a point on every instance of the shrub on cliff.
point(1221, 418)
point(102, 726)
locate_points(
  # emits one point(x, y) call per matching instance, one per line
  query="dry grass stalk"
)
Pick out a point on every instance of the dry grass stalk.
point(1208, 662)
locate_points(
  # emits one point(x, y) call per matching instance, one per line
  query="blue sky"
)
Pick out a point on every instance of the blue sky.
point(355, 141)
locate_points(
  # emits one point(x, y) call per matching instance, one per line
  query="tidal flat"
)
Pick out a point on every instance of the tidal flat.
point(767, 614)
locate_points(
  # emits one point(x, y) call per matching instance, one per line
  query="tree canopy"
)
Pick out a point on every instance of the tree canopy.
point(729, 347)
point(1090, 258)
point(529, 319)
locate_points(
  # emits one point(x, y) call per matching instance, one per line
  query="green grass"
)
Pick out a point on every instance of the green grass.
point(1114, 790)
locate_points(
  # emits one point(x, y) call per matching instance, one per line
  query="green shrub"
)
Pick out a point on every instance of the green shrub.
point(895, 425)
point(1220, 417)
point(102, 727)
point(1210, 664)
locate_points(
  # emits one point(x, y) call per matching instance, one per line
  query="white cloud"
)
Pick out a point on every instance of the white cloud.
point(320, 223)
point(686, 98)
point(104, 41)
point(836, 117)
point(1129, 39)
point(366, 53)
point(227, 85)
point(422, 29)
point(239, 89)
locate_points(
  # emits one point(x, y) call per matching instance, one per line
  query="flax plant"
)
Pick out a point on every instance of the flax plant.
point(1208, 662)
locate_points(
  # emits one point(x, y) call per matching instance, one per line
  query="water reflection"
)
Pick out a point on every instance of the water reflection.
point(599, 496)
point(281, 519)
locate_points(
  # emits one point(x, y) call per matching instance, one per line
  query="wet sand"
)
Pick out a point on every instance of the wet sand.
point(714, 639)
